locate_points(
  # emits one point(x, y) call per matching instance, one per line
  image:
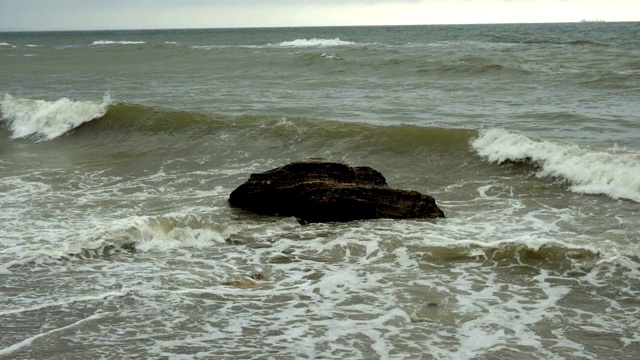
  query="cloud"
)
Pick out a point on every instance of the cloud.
point(87, 14)
point(33, 5)
point(137, 14)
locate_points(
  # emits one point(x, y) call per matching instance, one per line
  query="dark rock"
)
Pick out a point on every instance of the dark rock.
point(318, 190)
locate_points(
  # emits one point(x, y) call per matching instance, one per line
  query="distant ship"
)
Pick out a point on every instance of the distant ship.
point(591, 20)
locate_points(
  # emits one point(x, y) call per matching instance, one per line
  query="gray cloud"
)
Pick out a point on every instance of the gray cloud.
point(118, 14)
point(54, 14)
point(34, 5)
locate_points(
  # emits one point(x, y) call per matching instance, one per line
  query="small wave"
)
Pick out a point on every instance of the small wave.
point(46, 120)
point(121, 238)
point(548, 251)
point(565, 43)
point(550, 254)
point(131, 118)
point(465, 69)
point(111, 42)
point(470, 44)
point(322, 57)
point(315, 42)
point(331, 56)
point(615, 174)
point(585, 42)
point(465, 65)
point(5, 44)
point(520, 40)
point(164, 233)
point(612, 79)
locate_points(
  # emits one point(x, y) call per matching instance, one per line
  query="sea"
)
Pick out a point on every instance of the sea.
point(119, 149)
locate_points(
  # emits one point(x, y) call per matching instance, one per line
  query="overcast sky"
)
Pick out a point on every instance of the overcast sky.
point(146, 14)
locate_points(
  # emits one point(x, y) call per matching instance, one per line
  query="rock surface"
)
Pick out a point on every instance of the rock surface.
point(318, 190)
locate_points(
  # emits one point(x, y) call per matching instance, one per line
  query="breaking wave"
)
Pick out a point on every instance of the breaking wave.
point(111, 42)
point(615, 174)
point(315, 42)
point(46, 120)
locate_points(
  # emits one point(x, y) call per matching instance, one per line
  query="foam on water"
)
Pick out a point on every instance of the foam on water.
point(30, 340)
point(165, 233)
point(358, 290)
point(335, 297)
point(112, 42)
point(590, 172)
point(64, 302)
point(331, 56)
point(315, 42)
point(46, 120)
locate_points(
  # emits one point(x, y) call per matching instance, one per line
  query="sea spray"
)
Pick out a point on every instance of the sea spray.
point(46, 120)
point(590, 172)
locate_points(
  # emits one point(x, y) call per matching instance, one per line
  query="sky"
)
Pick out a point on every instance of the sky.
point(156, 14)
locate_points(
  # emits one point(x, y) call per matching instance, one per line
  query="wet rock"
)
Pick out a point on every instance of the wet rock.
point(318, 190)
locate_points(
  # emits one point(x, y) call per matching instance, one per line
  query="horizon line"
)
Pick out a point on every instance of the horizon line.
point(582, 21)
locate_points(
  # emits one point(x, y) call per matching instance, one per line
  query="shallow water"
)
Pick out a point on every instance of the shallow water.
point(120, 149)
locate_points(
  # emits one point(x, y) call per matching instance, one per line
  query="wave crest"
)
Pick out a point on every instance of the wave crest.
point(111, 42)
point(46, 120)
point(589, 172)
point(315, 42)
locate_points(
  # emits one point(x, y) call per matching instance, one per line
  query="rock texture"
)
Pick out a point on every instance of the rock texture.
point(318, 190)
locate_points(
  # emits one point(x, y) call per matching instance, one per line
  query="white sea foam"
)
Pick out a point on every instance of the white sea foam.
point(28, 341)
point(67, 301)
point(112, 42)
point(5, 44)
point(161, 234)
point(47, 120)
point(331, 56)
point(615, 174)
point(349, 290)
point(315, 42)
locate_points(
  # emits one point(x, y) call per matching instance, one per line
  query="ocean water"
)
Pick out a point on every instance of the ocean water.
point(118, 151)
